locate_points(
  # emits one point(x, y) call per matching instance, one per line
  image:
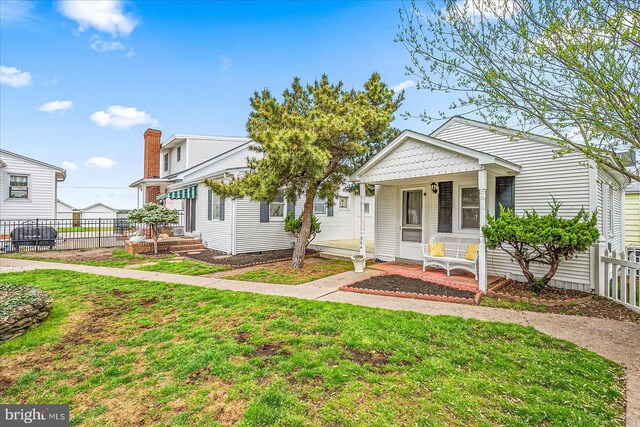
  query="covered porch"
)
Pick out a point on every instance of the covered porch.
point(431, 190)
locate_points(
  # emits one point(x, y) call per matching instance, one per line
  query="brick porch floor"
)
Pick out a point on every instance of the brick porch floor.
point(458, 279)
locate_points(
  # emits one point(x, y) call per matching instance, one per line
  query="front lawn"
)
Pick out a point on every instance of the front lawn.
point(282, 272)
point(185, 266)
point(134, 352)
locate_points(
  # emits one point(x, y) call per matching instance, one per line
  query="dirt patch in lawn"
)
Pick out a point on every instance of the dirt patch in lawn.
point(410, 287)
point(362, 358)
point(243, 260)
point(74, 256)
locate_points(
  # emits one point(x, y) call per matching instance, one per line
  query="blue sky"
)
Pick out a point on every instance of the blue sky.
point(181, 67)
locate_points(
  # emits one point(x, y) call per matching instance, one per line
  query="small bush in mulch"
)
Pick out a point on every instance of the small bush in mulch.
point(396, 285)
point(212, 256)
point(21, 307)
point(549, 295)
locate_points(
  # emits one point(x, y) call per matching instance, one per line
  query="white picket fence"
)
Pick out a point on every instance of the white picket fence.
point(620, 278)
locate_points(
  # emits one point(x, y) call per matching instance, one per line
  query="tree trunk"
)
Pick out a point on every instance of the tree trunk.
point(154, 230)
point(553, 268)
point(301, 242)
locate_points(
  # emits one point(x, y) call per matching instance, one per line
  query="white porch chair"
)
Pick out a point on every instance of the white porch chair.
point(455, 251)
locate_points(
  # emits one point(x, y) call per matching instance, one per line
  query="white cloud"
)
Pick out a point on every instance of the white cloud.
point(70, 166)
point(52, 106)
point(52, 82)
point(121, 117)
point(102, 46)
point(11, 76)
point(107, 16)
point(100, 163)
point(226, 63)
point(15, 10)
point(403, 85)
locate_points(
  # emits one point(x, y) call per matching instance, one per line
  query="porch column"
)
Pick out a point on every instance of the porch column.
point(363, 236)
point(482, 248)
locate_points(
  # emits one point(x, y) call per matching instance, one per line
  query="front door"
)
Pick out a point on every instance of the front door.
point(190, 214)
point(412, 206)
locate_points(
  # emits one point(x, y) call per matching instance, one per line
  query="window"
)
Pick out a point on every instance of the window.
point(610, 210)
point(470, 207)
point(178, 153)
point(343, 202)
point(319, 205)
point(166, 162)
point(18, 186)
point(505, 193)
point(215, 206)
point(277, 206)
point(412, 216)
point(445, 207)
point(366, 208)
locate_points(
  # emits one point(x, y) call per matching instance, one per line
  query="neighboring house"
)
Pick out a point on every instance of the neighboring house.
point(232, 226)
point(99, 211)
point(439, 185)
point(66, 211)
point(28, 187)
point(632, 214)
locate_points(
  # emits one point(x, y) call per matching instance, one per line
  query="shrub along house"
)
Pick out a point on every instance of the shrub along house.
point(437, 187)
point(174, 172)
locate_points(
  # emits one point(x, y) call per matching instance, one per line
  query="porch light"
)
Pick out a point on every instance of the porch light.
point(434, 188)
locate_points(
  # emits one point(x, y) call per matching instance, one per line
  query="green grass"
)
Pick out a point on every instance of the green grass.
point(119, 259)
point(514, 305)
point(186, 267)
point(82, 229)
point(314, 268)
point(168, 354)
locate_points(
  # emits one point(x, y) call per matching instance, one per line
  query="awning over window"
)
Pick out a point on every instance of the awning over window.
point(162, 197)
point(187, 193)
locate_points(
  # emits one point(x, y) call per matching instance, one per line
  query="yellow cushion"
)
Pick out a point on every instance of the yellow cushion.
point(471, 251)
point(436, 249)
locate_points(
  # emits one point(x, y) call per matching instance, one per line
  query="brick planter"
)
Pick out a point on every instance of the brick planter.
point(475, 301)
point(21, 307)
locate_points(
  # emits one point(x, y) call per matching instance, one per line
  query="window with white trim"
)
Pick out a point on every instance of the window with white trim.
point(319, 205)
point(343, 202)
point(178, 153)
point(277, 206)
point(469, 207)
point(366, 208)
point(166, 162)
point(215, 206)
point(18, 186)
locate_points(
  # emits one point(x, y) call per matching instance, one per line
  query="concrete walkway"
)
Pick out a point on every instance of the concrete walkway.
point(617, 341)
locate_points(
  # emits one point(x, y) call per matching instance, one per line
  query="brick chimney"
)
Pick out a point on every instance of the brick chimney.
point(152, 162)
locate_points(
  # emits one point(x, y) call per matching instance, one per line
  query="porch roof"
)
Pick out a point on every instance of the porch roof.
point(414, 155)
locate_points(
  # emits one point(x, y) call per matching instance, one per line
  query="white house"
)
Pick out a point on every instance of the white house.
point(66, 211)
point(28, 187)
point(99, 211)
point(439, 186)
point(233, 226)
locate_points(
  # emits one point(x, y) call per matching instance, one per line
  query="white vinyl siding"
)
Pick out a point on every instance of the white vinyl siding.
point(99, 212)
point(541, 176)
point(41, 202)
point(215, 234)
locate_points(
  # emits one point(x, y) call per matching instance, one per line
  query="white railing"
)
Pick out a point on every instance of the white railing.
point(619, 278)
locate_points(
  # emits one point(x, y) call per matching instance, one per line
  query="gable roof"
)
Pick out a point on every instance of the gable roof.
point(178, 138)
point(66, 204)
point(212, 160)
point(98, 204)
point(481, 157)
point(61, 172)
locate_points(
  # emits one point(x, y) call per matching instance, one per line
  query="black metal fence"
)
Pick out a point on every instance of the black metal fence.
point(65, 234)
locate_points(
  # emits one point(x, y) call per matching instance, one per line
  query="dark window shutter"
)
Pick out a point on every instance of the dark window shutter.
point(264, 212)
point(445, 207)
point(329, 209)
point(221, 209)
point(291, 207)
point(209, 207)
point(505, 193)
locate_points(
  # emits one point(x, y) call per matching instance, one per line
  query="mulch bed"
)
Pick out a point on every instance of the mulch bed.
point(410, 287)
point(550, 296)
point(599, 307)
point(214, 257)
